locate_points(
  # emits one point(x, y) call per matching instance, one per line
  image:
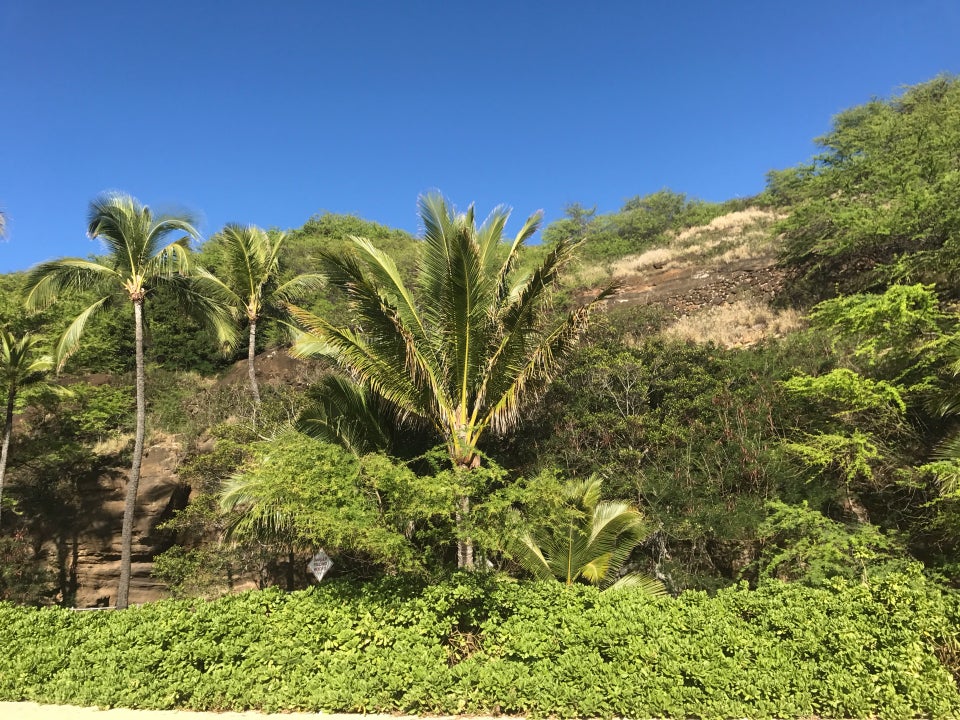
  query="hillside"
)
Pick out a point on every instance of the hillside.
point(772, 388)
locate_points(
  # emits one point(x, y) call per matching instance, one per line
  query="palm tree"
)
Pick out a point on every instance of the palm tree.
point(467, 348)
point(591, 545)
point(20, 366)
point(248, 281)
point(138, 258)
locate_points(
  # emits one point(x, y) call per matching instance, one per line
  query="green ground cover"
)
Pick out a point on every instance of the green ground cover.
point(478, 644)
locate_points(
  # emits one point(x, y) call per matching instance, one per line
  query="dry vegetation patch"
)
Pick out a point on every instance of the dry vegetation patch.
point(736, 324)
point(742, 235)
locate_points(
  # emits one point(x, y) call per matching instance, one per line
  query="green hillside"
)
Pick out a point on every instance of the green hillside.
point(765, 387)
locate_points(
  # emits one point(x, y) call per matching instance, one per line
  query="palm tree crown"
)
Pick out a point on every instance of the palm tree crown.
point(467, 346)
point(592, 545)
point(247, 280)
point(138, 256)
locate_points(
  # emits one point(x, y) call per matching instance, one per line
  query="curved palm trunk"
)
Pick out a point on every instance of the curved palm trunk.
point(130, 505)
point(7, 432)
point(251, 368)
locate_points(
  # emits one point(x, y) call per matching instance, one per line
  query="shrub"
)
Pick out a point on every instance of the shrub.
point(476, 644)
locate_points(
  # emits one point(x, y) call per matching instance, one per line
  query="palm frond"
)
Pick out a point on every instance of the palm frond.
point(531, 225)
point(20, 362)
point(46, 281)
point(489, 236)
point(530, 557)
point(386, 344)
point(253, 514)
point(299, 287)
point(248, 259)
point(309, 345)
point(70, 341)
point(213, 286)
point(616, 529)
point(135, 239)
point(645, 584)
point(384, 372)
point(591, 545)
point(118, 220)
point(385, 273)
point(346, 414)
point(438, 228)
point(170, 260)
point(194, 297)
point(525, 298)
point(517, 373)
point(594, 569)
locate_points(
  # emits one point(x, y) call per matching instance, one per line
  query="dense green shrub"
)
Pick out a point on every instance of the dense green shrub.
point(477, 644)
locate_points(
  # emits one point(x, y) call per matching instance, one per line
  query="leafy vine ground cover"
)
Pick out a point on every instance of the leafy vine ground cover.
point(478, 644)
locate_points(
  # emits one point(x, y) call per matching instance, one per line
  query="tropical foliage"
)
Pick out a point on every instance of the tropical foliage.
point(138, 257)
point(20, 367)
point(468, 347)
point(474, 645)
point(879, 202)
point(247, 279)
point(796, 490)
point(592, 544)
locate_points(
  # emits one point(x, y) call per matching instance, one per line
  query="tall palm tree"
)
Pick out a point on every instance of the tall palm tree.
point(467, 347)
point(592, 545)
point(20, 367)
point(247, 280)
point(138, 259)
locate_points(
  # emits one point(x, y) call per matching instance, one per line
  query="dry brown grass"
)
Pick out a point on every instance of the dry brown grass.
point(736, 324)
point(733, 224)
point(113, 444)
point(635, 263)
point(741, 235)
point(589, 276)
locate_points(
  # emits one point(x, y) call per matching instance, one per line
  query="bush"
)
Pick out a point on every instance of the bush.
point(475, 644)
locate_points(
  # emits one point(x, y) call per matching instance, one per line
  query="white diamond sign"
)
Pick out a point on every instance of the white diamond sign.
point(319, 564)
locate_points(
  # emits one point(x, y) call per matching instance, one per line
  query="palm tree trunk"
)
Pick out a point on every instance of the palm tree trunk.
point(130, 506)
point(251, 369)
point(7, 432)
point(464, 544)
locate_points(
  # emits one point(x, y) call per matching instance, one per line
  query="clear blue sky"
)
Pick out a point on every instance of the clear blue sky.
point(267, 113)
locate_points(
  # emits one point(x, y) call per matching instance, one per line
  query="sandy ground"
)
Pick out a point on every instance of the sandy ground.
point(33, 711)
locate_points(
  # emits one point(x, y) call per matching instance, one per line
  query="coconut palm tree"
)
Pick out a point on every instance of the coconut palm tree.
point(467, 347)
point(20, 366)
point(591, 545)
point(247, 279)
point(139, 257)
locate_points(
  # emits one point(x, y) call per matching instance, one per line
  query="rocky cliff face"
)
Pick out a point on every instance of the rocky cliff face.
point(87, 555)
point(91, 558)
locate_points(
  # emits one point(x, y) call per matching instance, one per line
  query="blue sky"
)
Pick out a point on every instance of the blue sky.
point(267, 113)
